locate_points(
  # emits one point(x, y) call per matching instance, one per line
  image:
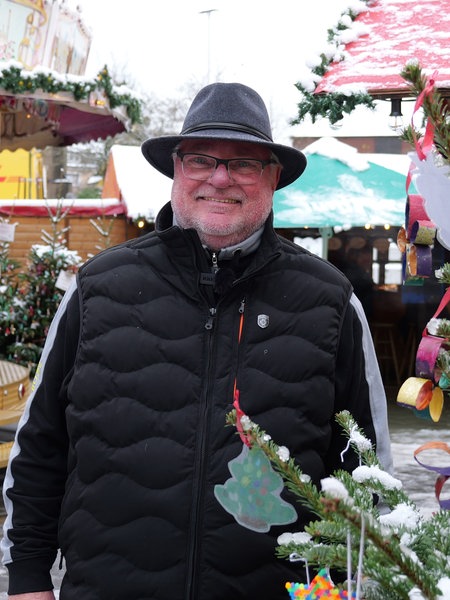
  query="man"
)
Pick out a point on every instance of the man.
point(124, 440)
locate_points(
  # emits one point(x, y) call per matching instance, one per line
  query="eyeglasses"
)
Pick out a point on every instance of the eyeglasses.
point(242, 171)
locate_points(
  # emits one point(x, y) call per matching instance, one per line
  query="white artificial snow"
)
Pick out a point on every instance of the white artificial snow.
point(353, 33)
point(416, 594)
point(362, 443)
point(444, 587)
point(299, 537)
point(333, 487)
point(38, 70)
point(283, 453)
point(71, 256)
point(433, 326)
point(365, 473)
point(403, 515)
point(332, 148)
point(246, 423)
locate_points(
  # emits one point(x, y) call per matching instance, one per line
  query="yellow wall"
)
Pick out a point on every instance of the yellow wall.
point(21, 174)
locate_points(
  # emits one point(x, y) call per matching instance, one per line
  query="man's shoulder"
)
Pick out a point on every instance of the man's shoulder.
point(120, 253)
point(312, 262)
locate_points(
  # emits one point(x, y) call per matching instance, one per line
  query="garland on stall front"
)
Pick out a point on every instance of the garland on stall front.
point(16, 80)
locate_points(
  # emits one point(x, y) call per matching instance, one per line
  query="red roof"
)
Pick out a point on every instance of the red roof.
point(398, 31)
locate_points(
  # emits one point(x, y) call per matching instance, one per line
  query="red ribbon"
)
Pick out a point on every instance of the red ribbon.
point(424, 146)
point(239, 414)
point(443, 303)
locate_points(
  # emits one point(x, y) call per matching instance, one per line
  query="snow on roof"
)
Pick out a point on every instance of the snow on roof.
point(345, 188)
point(357, 161)
point(144, 190)
point(388, 35)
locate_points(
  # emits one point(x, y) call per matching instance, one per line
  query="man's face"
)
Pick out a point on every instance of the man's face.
point(223, 212)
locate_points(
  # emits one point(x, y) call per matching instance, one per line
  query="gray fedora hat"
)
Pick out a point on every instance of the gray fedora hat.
point(226, 111)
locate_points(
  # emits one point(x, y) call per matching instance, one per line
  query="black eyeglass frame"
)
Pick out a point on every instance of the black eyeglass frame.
point(225, 162)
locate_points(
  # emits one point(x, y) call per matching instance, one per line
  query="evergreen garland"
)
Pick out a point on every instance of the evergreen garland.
point(331, 105)
point(16, 80)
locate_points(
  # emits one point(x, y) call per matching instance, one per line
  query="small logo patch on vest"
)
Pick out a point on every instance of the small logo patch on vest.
point(263, 321)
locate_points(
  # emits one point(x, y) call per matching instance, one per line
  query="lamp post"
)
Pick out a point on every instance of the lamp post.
point(208, 13)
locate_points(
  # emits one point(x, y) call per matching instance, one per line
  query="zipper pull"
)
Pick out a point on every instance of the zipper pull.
point(210, 320)
point(215, 266)
point(241, 319)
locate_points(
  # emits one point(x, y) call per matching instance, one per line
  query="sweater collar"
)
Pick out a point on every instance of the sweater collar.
point(266, 240)
point(245, 247)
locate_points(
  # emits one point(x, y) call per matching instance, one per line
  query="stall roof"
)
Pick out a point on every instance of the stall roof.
point(41, 107)
point(341, 187)
point(142, 189)
point(79, 207)
point(392, 33)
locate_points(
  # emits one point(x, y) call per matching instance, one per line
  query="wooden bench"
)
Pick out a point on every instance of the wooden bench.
point(15, 385)
point(5, 449)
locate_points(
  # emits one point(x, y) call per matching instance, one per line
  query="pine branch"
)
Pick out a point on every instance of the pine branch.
point(388, 545)
point(398, 553)
point(434, 106)
point(443, 274)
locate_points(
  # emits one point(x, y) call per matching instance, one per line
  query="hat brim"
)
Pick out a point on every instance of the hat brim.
point(158, 151)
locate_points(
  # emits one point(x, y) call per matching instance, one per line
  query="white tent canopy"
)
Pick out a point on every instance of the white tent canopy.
point(143, 189)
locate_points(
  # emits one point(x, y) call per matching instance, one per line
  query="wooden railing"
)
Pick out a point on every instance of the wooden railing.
point(15, 387)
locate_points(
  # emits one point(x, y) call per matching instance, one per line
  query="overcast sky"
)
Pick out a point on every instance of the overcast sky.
point(163, 45)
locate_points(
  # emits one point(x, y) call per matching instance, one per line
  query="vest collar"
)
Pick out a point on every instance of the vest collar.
point(245, 247)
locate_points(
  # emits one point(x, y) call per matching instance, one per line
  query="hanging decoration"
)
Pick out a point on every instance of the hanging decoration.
point(252, 494)
point(416, 239)
point(443, 472)
point(424, 393)
point(321, 587)
point(430, 169)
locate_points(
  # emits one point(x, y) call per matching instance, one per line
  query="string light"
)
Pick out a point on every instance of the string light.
point(396, 118)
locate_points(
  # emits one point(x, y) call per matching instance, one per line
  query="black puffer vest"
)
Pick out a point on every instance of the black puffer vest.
point(152, 385)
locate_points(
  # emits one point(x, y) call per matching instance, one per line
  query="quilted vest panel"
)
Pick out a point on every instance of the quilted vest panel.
point(147, 404)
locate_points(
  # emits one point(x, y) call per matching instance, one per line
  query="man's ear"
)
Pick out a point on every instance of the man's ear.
point(277, 176)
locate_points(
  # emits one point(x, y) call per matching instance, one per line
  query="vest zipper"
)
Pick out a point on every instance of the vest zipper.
point(203, 431)
point(199, 483)
point(210, 320)
point(241, 327)
point(215, 265)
